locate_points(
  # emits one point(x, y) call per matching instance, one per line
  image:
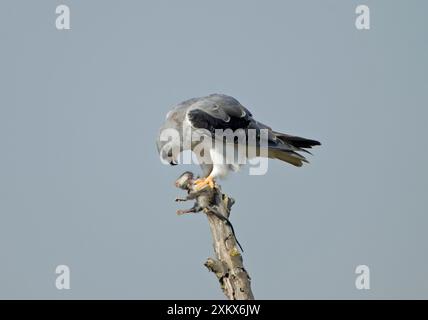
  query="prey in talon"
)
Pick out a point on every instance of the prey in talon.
point(204, 199)
point(202, 183)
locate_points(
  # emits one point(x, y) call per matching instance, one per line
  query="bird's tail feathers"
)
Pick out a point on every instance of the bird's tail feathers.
point(297, 142)
point(289, 156)
point(287, 147)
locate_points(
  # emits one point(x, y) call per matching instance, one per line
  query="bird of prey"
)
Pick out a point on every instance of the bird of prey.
point(219, 111)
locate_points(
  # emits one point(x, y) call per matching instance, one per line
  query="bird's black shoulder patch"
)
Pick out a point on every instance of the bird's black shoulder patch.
point(202, 120)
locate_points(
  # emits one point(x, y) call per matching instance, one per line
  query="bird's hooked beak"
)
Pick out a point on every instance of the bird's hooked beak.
point(173, 163)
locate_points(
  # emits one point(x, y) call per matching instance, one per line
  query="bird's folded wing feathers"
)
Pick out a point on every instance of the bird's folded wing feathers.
point(224, 112)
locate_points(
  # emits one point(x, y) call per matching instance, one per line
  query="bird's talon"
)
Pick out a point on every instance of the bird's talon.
point(201, 183)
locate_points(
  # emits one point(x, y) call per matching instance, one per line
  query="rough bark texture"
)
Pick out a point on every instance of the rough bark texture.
point(228, 264)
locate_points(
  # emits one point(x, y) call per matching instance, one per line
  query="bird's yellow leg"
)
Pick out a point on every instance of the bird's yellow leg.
point(201, 183)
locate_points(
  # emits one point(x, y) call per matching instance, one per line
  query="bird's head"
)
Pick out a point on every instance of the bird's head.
point(169, 144)
point(166, 155)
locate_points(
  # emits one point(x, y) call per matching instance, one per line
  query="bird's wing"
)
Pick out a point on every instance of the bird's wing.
point(218, 112)
point(224, 112)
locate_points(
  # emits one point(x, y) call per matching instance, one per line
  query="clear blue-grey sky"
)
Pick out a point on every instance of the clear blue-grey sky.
point(81, 183)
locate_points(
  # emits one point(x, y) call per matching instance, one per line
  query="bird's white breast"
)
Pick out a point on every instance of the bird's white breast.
point(224, 162)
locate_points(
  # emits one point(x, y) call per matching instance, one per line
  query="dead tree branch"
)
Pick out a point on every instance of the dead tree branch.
point(228, 265)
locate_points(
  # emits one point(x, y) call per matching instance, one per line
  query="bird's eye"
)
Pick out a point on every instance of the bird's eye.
point(169, 153)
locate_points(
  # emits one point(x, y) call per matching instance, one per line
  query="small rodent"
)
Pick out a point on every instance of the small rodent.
point(204, 199)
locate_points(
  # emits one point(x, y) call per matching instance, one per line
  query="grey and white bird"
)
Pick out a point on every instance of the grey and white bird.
point(218, 111)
